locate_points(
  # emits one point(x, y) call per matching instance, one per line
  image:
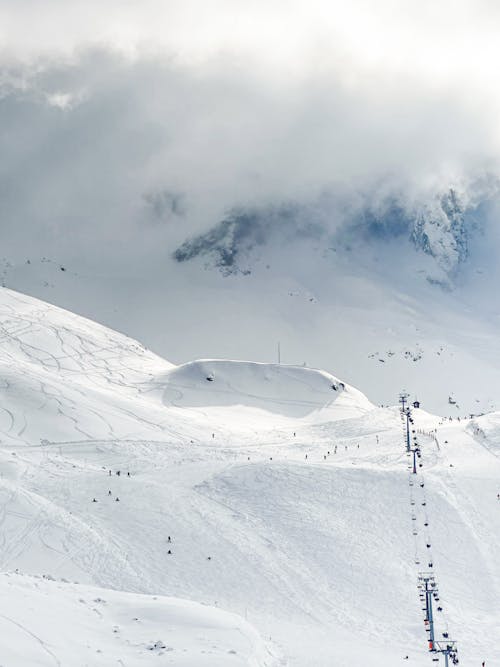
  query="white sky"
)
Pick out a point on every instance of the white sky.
point(236, 101)
point(439, 40)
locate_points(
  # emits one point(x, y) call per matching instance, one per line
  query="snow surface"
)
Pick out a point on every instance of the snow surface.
point(82, 625)
point(287, 503)
point(364, 311)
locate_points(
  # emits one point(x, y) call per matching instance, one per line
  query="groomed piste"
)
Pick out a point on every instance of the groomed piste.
point(224, 512)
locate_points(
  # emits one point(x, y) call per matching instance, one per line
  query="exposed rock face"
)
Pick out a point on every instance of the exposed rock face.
point(229, 244)
point(441, 227)
point(222, 244)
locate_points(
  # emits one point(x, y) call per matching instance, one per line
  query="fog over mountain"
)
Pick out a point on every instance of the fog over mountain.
point(165, 138)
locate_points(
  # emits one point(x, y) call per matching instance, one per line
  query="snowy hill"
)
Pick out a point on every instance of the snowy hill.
point(277, 493)
point(291, 391)
point(363, 310)
point(81, 625)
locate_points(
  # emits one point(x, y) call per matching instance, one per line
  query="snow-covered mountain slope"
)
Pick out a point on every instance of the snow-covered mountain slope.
point(262, 491)
point(81, 625)
point(362, 309)
point(65, 378)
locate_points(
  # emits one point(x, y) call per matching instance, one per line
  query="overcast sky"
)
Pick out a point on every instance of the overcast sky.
point(119, 117)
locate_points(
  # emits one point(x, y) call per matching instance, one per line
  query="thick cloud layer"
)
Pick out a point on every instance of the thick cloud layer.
point(129, 128)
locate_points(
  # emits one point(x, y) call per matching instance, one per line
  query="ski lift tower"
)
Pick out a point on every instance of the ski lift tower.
point(405, 411)
point(416, 453)
point(428, 586)
point(449, 650)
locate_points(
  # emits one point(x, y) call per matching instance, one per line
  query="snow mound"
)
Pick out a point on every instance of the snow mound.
point(486, 429)
point(292, 391)
point(109, 628)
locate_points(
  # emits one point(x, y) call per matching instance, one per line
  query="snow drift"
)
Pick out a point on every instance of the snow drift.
point(292, 391)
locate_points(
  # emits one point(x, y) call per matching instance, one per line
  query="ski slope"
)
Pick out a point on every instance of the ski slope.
point(367, 314)
point(280, 492)
point(82, 625)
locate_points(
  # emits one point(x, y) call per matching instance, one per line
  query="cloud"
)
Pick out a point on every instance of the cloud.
point(174, 113)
